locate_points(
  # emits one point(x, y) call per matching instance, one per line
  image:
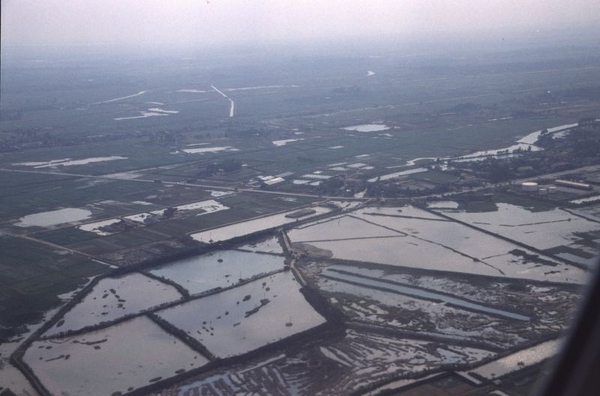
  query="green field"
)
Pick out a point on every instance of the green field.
point(437, 103)
point(32, 276)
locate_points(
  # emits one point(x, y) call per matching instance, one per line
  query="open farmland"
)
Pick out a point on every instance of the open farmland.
point(252, 226)
point(247, 317)
point(35, 278)
point(118, 359)
point(112, 298)
point(220, 269)
point(383, 302)
point(424, 239)
point(354, 362)
point(556, 232)
point(301, 221)
point(267, 245)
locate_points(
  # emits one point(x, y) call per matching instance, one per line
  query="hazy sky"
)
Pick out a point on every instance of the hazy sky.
point(143, 23)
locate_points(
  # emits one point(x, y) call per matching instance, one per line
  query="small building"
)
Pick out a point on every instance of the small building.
point(572, 184)
point(272, 181)
point(529, 186)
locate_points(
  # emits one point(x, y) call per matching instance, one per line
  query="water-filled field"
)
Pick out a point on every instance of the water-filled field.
point(269, 245)
point(120, 358)
point(364, 304)
point(113, 298)
point(339, 228)
point(218, 269)
point(518, 360)
point(410, 237)
point(247, 317)
point(53, 217)
point(556, 230)
point(249, 227)
point(386, 284)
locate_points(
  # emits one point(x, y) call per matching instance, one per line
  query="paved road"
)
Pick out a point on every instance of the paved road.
point(291, 194)
point(58, 247)
point(209, 186)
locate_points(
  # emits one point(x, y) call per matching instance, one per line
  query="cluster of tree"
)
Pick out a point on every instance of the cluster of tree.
point(391, 189)
point(248, 133)
point(228, 165)
point(581, 147)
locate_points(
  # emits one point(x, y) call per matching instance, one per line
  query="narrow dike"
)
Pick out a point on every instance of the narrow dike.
point(538, 251)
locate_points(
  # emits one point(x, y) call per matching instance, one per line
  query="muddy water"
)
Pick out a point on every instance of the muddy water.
point(218, 269)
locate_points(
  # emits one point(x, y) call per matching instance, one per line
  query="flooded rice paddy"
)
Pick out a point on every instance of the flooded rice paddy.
point(338, 273)
point(202, 150)
point(443, 205)
point(247, 317)
point(367, 128)
point(95, 227)
point(541, 230)
point(591, 212)
point(410, 237)
point(552, 230)
point(205, 207)
point(518, 360)
point(113, 298)
point(397, 174)
point(269, 245)
point(339, 228)
point(366, 305)
point(373, 356)
point(191, 91)
point(344, 366)
point(251, 226)
point(69, 162)
point(488, 292)
point(250, 314)
point(208, 206)
point(219, 269)
point(153, 112)
point(120, 358)
point(54, 217)
point(285, 141)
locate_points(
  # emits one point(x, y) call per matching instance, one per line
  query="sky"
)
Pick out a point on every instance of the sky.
point(196, 23)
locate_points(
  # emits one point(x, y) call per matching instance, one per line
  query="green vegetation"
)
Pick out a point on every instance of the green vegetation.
point(32, 276)
point(434, 105)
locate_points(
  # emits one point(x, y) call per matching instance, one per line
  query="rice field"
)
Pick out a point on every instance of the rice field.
point(268, 245)
point(410, 237)
point(541, 230)
point(250, 226)
point(518, 360)
point(219, 269)
point(113, 298)
point(364, 304)
point(120, 358)
point(247, 317)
